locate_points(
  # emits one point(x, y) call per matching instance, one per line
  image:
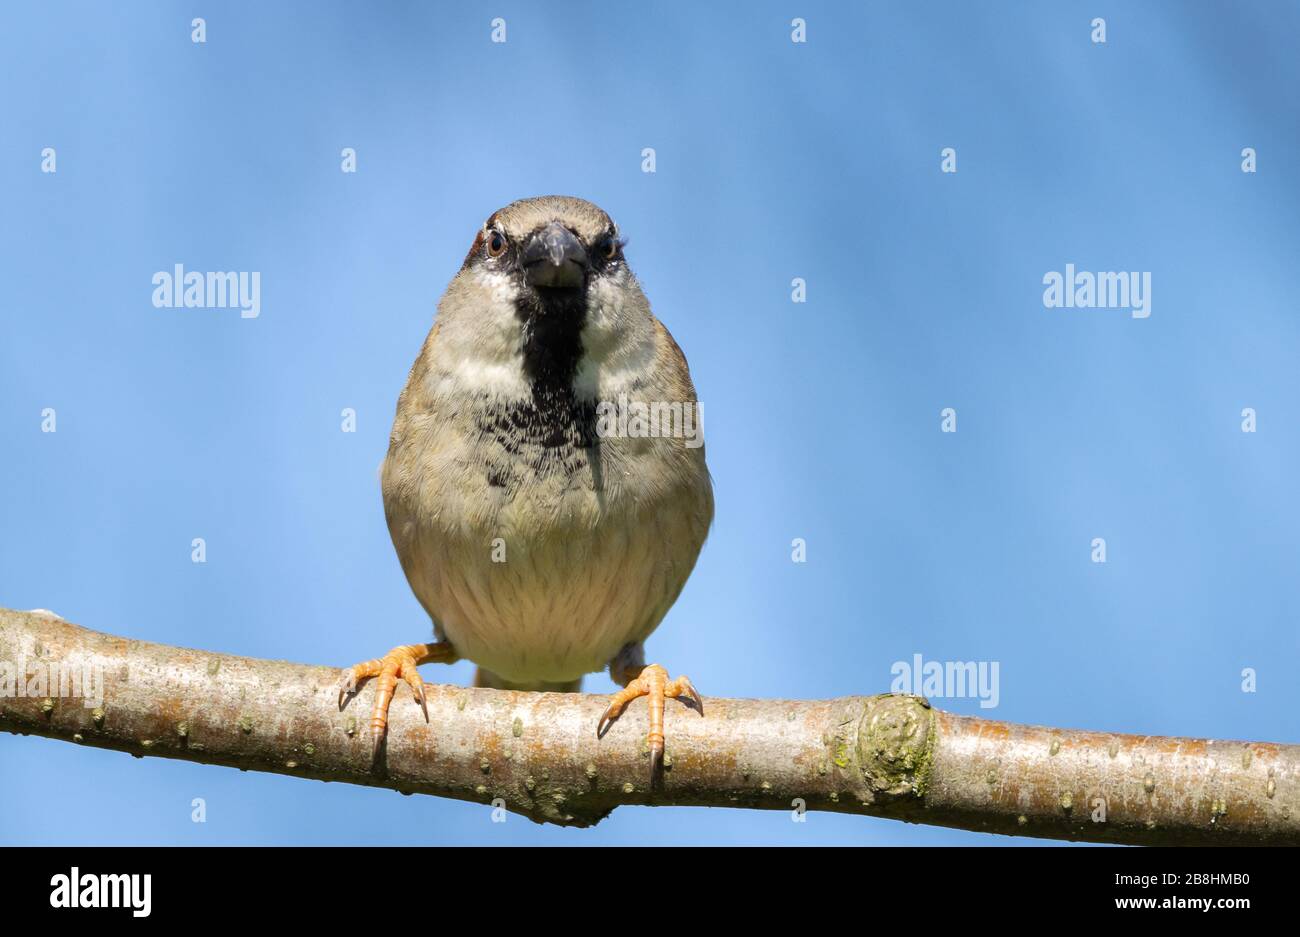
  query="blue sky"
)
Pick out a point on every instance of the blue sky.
point(774, 160)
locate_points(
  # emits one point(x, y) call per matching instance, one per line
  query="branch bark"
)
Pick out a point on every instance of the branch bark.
point(537, 753)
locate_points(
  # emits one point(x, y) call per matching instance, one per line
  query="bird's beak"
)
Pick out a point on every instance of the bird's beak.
point(554, 257)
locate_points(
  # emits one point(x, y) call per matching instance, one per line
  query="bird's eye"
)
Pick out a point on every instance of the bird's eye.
point(496, 243)
point(611, 248)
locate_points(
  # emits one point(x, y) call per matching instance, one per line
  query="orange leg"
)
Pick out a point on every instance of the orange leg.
point(652, 682)
point(400, 662)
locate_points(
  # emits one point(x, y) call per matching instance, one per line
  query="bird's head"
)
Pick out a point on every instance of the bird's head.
point(548, 245)
point(544, 293)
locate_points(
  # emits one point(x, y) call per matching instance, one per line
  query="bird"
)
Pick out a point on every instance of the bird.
point(545, 531)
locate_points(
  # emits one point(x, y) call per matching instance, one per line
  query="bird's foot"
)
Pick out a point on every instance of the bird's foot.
point(399, 663)
point(651, 682)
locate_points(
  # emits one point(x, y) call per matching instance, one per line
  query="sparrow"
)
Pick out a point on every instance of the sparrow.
point(544, 532)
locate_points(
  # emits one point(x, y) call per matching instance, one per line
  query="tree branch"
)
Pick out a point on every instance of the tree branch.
point(537, 753)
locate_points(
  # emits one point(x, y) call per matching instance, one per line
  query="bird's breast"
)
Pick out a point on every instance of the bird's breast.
point(537, 547)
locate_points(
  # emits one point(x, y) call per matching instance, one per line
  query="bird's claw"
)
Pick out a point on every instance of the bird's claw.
point(347, 686)
point(692, 695)
point(652, 682)
point(423, 699)
point(398, 664)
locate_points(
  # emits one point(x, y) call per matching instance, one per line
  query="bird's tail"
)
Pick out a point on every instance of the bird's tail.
point(486, 678)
